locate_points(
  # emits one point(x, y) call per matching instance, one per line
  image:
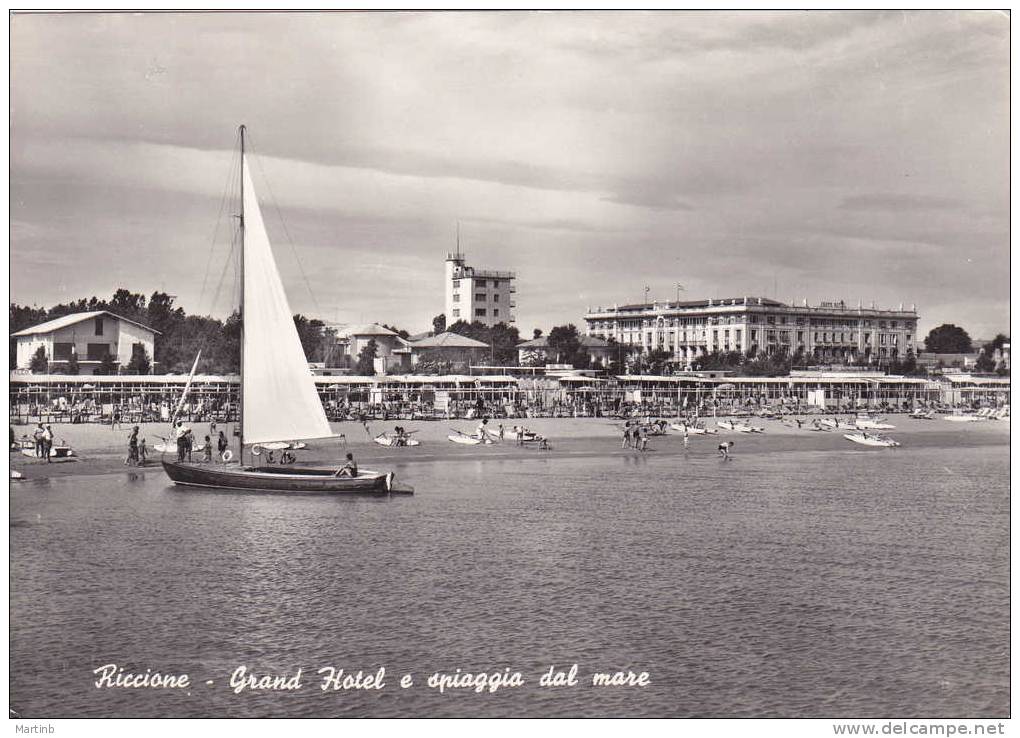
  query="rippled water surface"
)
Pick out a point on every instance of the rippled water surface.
point(781, 583)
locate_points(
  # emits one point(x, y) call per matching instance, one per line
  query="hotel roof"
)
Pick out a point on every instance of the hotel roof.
point(67, 320)
point(543, 342)
point(705, 303)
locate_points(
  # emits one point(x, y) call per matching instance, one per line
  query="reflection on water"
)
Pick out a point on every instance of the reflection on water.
point(787, 583)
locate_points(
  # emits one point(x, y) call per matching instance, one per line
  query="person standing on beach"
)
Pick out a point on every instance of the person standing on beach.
point(132, 457)
point(222, 443)
point(207, 453)
point(115, 422)
point(626, 436)
point(686, 435)
point(47, 442)
point(643, 437)
point(724, 449)
point(142, 453)
point(37, 435)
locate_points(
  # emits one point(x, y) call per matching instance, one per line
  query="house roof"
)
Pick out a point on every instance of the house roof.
point(364, 329)
point(543, 342)
point(64, 321)
point(449, 340)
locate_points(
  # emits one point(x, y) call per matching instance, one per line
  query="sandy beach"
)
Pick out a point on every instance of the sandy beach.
point(102, 450)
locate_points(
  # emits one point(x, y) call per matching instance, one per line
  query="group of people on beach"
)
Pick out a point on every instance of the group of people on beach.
point(635, 435)
point(137, 451)
point(43, 437)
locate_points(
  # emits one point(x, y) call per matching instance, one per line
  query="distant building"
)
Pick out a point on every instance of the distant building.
point(479, 295)
point(831, 332)
point(391, 351)
point(454, 348)
point(931, 361)
point(597, 350)
point(90, 337)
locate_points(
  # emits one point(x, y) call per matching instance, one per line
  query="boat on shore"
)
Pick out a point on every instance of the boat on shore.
point(694, 430)
point(963, 418)
point(466, 439)
point(384, 439)
point(870, 439)
point(279, 402)
point(57, 453)
point(865, 422)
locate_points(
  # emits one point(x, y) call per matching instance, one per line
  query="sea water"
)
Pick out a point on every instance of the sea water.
point(788, 581)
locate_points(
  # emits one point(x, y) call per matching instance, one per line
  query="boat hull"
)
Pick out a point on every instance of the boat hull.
point(391, 441)
point(469, 440)
point(288, 480)
point(874, 442)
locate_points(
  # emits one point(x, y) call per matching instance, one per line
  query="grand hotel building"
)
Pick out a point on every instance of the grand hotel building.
point(831, 331)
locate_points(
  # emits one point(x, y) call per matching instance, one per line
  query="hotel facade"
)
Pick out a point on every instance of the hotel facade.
point(481, 295)
point(830, 331)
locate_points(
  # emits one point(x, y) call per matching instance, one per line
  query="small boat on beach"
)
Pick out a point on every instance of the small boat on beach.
point(962, 418)
point(922, 414)
point(57, 453)
point(865, 422)
point(466, 440)
point(870, 439)
point(391, 439)
point(739, 427)
point(694, 430)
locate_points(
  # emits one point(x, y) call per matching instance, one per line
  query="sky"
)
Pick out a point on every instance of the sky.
point(819, 155)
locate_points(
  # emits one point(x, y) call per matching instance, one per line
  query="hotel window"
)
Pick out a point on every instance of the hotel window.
point(62, 351)
point(456, 313)
point(456, 283)
point(754, 335)
point(99, 326)
point(456, 298)
point(816, 336)
point(480, 312)
point(867, 338)
point(495, 313)
point(479, 297)
point(800, 336)
point(881, 339)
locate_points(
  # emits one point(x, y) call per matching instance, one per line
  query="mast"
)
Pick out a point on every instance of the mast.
point(240, 391)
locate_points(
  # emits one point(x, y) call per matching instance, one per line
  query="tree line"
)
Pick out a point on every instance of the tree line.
point(180, 335)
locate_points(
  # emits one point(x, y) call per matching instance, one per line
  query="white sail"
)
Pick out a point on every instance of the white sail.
point(280, 402)
point(184, 394)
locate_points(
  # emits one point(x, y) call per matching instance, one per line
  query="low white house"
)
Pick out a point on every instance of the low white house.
point(390, 349)
point(89, 336)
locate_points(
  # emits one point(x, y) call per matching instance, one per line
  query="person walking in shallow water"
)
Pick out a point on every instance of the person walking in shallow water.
point(724, 449)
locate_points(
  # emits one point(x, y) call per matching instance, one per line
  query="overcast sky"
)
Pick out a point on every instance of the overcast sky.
point(818, 155)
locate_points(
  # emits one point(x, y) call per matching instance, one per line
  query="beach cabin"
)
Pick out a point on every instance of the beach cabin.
point(89, 337)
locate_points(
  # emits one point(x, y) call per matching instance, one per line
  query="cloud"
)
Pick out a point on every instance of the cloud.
point(834, 152)
point(898, 203)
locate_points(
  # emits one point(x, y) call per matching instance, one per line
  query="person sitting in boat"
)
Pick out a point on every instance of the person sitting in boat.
point(401, 435)
point(350, 467)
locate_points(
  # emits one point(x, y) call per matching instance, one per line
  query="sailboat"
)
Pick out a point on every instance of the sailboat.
point(278, 399)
